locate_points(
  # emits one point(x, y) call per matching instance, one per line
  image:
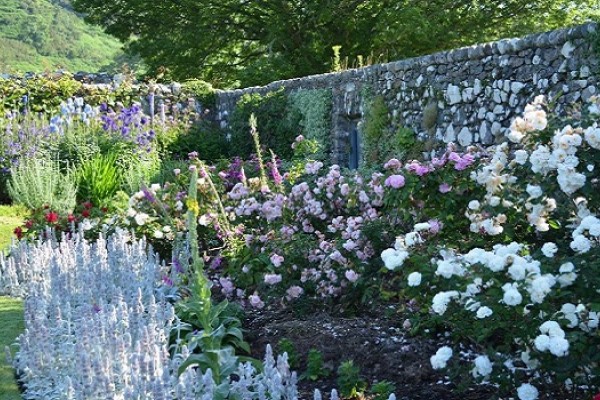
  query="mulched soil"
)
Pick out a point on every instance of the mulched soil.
point(379, 346)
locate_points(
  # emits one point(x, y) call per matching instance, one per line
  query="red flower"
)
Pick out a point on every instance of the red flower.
point(104, 209)
point(71, 218)
point(28, 224)
point(596, 397)
point(52, 217)
point(85, 213)
point(18, 232)
point(87, 205)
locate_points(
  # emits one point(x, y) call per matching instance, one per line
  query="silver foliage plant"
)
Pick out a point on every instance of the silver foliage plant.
point(97, 327)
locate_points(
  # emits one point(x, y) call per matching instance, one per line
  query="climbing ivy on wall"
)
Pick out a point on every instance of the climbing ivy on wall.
point(381, 140)
point(278, 124)
point(314, 106)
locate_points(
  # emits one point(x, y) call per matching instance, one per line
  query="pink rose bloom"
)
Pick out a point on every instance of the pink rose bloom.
point(417, 168)
point(255, 301)
point(438, 162)
point(294, 292)
point(434, 226)
point(393, 164)
point(395, 181)
point(444, 188)
point(277, 260)
point(351, 276)
point(272, 279)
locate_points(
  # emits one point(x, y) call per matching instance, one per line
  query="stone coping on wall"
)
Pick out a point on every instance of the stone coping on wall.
point(473, 52)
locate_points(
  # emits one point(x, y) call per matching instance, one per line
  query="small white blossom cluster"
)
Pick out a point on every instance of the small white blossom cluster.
point(394, 257)
point(534, 119)
point(582, 243)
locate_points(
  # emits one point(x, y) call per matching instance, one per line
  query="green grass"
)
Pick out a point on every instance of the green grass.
point(10, 218)
point(11, 325)
point(11, 310)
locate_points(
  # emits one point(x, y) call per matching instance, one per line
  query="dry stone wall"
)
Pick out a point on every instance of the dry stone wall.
point(466, 96)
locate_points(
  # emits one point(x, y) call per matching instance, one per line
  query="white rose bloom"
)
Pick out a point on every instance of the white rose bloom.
point(558, 346)
point(158, 234)
point(517, 272)
point(155, 187)
point(534, 191)
point(527, 392)
point(592, 137)
point(581, 244)
point(474, 205)
point(423, 226)
point(414, 279)
point(412, 238)
point(483, 366)
point(441, 300)
point(515, 136)
point(549, 249)
point(441, 357)
point(542, 342)
point(521, 157)
point(447, 269)
point(484, 312)
point(494, 201)
point(511, 297)
point(552, 329)
point(393, 258)
point(131, 212)
point(141, 218)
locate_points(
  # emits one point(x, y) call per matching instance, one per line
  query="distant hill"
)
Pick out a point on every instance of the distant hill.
point(45, 35)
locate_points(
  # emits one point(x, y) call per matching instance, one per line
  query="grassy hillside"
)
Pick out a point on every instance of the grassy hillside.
point(45, 35)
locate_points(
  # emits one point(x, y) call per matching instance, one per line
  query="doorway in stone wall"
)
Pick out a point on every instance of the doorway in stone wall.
point(355, 149)
point(352, 137)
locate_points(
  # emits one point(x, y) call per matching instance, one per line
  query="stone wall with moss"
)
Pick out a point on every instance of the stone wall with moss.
point(466, 96)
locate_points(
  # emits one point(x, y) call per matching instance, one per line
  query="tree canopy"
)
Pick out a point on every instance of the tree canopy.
point(246, 42)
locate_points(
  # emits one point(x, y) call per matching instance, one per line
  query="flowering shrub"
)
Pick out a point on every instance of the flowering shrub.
point(522, 282)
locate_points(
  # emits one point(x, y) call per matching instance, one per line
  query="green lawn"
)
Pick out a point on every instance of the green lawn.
point(11, 310)
point(10, 218)
point(11, 325)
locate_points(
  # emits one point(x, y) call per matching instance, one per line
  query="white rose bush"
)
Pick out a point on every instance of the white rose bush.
point(522, 285)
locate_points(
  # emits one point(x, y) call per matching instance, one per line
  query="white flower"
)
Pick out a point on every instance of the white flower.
point(393, 258)
point(483, 366)
point(447, 269)
point(423, 226)
point(558, 346)
point(440, 301)
point(515, 136)
point(517, 271)
point(542, 342)
point(158, 234)
point(441, 357)
point(527, 392)
point(581, 244)
point(141, 218)
point(474, 205)
point(521, 157)
point(552, 329)
point(549, 249)
point(131, 212)
point(511, 297)
point(592, 136)
point(155, 187)
point(412, 238)
point(414, 279)
point(534, 191)
point(484, 312)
